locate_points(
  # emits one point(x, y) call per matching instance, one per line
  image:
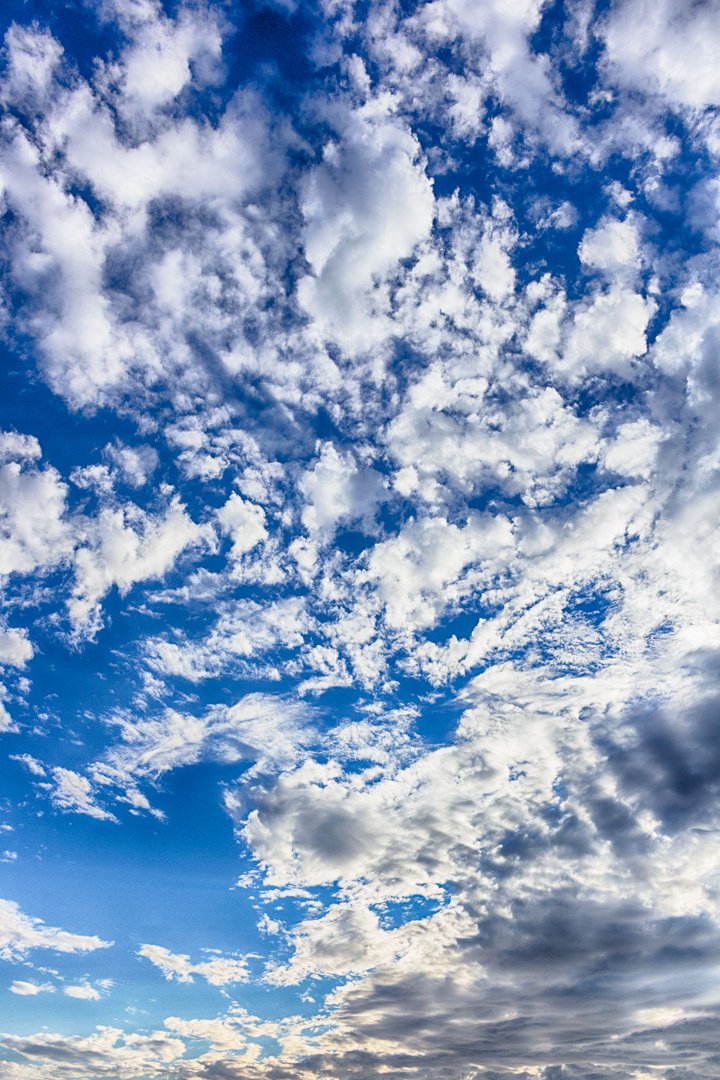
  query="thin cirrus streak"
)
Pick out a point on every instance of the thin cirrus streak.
point(359, 505)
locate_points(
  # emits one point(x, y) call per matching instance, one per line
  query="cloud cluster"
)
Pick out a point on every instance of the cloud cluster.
point(390, 501)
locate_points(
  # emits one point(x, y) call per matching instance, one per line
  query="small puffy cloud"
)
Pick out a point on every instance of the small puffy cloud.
point(29, 989)
point(31, 763)
point(15, 649)
point(20, 932)
point(337, 489)
point(365, 207)
point(244, 522)
point(136, 464)
point(83, 992)
point(423, 569)
point(492, 267)
point(34, 531)
point(33, 56)
point(608, 334)
point(162, 55)
point(612, 247)
point(218, 972)
point(634, 448)
point(6, 721)
point(18, 447)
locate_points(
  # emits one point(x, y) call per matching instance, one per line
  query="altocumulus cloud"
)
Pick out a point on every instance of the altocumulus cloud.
point(359, 511)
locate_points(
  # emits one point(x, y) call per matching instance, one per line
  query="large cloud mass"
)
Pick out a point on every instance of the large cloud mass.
point(359, 521)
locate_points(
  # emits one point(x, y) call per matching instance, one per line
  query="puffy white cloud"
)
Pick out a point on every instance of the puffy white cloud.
point(83, 992)
point(17, 447)
point(32, 58)
point(15, 649)
point(365, 207)
point(244, 522)
point(30, 989)
point(523, 79)
point(612, 246)
point(634, 448)
point(163, 54)
point(337, 489)
point(125, 546)
point(668, 46)
point(422, 570)
point(34, 531)
point(30, 762)
point(608, 334)
point(135, 463)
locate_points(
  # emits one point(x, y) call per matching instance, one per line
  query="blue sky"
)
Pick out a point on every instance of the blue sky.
point(359, 475)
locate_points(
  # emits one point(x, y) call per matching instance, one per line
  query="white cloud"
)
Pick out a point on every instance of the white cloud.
point(15, 649)
point(32, 59)
point(612, 246)
point(244, 523)
point(135, 463)
point(261, 728)
point(365, 208)
point(17, 447)
point(422, 570)
point(29, 989)
point(668, 46)
point(20, 932)
point(634, 449)
point(523, 80)
point(337, 489)
point(30, 762)
point(74, 793)
point(109, 1049)
point(125, 546)
point(156, 66)
point(34, 533)
point(608, 334)
point(83, 992)
point(218, 972)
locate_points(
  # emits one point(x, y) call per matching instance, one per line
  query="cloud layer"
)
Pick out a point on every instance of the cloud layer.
point(358, 532)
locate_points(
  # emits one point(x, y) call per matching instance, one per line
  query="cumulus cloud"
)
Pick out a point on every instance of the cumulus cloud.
point(30, 989)
point(337, 489)
point(673, 53)
point(373, 353)
point(83, 992)
point(15, 649)
point(35, 532)
point(365, 207)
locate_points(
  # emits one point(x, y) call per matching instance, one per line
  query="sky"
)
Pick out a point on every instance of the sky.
point(359, 522)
